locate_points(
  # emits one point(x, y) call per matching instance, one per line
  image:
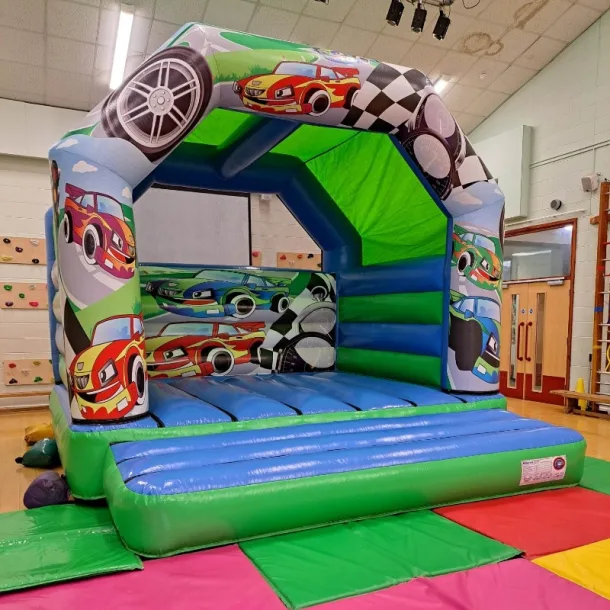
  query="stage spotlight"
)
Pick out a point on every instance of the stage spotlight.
point(441, 27)
point(419, 18)
point(395, 12)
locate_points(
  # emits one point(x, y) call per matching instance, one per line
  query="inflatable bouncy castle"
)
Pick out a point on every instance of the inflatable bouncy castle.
point(212, 404)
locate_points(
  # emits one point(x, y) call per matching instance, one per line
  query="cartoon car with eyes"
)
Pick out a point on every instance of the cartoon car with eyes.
point(108, 379)
point(299, 88)
point(219, 292)
point(474, 335)
point(477, 257)
point(187, 349)
point(96, 222)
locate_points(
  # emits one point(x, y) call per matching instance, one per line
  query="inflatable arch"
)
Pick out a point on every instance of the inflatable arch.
point(363, 153)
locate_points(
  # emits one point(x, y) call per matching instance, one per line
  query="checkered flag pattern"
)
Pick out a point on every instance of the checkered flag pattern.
point(387, 99)
point(321, 288)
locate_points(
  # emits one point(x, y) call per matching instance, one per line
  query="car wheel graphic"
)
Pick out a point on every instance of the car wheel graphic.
point(254, 352)
point(222, 361)
point(244, 305)
point(320, 102)
point(466, 260)
point(350, 97)
point(137, 375)
point(67, 228)
point(307, 352)
point(466, 340)
point(91, 242)
point(161, 102)
point(319, 293)
point(279, 304)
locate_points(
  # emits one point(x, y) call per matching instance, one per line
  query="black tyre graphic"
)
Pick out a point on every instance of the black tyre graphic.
point(91, 242)
point(67, 227)
point(161, 102)
point(466, 340)
point(280, 303)
point(349, 98)
point(244, 305)
point(221, 359)
point(137, 375)
point(254, 353)
point(466, 260)
point(319, 293)
point(319, 100)
point(306, 353)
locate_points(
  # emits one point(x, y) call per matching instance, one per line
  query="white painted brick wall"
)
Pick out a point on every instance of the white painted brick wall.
point(274, 229)
point(24, 198)
point(568, 105)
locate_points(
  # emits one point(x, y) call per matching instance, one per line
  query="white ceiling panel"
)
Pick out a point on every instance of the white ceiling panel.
point(63, 48)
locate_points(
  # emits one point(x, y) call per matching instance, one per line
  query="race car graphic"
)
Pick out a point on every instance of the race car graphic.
point(477, 257)
point(299, 88)
point(219, 292)
point(474, 335)
point(187, 349)
point(108, 379)
point(96, 223)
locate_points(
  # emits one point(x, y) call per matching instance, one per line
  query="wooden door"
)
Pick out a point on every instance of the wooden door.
point(514, 319)
point(546, 340)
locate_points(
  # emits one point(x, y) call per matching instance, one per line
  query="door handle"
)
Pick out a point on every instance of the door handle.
point(519, 357)
point(527, 341)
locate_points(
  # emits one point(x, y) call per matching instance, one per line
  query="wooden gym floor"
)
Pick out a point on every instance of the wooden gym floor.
point(14, 479)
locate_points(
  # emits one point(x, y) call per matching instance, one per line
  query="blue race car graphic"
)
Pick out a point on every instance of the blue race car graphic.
point(218, 292)
point(474, 335)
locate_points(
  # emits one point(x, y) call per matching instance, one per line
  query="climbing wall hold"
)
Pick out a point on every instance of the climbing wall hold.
point(8, 287)
point(21, 295)
point(6, 240)
point(34, 242)
point(18, 249)
point(13, 381)
point(6, 258)
point(9, 303)
point(12, 365)
point(37, 379)
point(37, 362)
point(33, 303)
point(35, 261)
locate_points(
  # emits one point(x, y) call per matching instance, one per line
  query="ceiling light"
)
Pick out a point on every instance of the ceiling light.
point(323, 1)
point(121, 45)
point(395, 12)
point(419, 18)
point(441, 83)
point(442, 25)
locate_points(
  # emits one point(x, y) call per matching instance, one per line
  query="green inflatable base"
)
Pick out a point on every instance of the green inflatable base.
point(58, 543)
point(160, 525)
point(82, 453)
point(321, 565)
point(596, 475)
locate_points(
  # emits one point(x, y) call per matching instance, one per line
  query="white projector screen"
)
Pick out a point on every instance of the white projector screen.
point(193, 227)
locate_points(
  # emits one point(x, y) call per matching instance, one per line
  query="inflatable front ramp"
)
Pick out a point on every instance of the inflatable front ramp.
point(57, 543)
point(176, 494)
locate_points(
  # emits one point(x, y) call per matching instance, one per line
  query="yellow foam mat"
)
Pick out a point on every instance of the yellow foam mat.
point(586, 566)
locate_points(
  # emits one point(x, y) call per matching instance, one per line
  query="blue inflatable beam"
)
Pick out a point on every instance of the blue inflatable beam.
point(48, 229)
point(254, 144)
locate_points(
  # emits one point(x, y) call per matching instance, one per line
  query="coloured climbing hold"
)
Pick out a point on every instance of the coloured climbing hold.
point(12, 381)
point(6, 258)
point(34, 242)
point(37, 362)
point(299, 256)
point(310, 256)
point(35, 261)
point(6, 240)
point(8, 287)
point(12, 365)
point(37, 379)
point(21, 295)
point(32, 286)
point(9, 303)
point(283, 257)
point(33, 303)
point(18, 249)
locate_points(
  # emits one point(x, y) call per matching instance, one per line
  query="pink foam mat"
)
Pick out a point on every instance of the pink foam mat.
point(510, 585)
point(222, 578)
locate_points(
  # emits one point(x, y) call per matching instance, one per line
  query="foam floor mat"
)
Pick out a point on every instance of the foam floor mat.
point(58, 543)
point(319, 565)
point(217, 579)
point(539, 523)
point(512, 585)
point(596, 475)
point(587, 566)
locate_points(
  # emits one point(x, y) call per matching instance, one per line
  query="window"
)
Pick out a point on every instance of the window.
point(256, 281)
point(296, 69)
point(137, 326)
point(226, 329)
point(538, 255)
point(329, 73)
point(221, 276)
point(539, 341)
point(106, 205)
point(86, 200)
point(486, 308)
point(115, 329)
point(181, 329)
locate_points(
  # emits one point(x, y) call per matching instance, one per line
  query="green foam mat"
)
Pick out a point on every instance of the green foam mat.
point(596, 475)
point(320, 565)
point(57, 543)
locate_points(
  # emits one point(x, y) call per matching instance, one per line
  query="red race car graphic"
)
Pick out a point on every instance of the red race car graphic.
point(108, 379)
point(96, 222)
point(186, 349)
point(299, 88)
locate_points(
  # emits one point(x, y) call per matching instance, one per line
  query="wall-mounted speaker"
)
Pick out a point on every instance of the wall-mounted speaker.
point(556, 204)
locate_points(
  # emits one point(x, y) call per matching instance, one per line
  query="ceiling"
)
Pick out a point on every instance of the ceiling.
point(59, 52)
